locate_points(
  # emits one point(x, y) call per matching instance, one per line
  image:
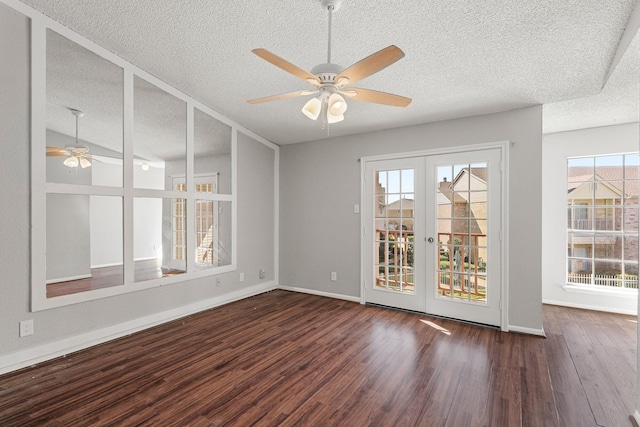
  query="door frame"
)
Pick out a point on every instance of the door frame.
point(503, 146)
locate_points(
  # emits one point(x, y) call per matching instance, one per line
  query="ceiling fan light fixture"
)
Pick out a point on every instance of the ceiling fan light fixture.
point(331, 79)
point(337, 105)
point(71, 162)
point(334, 118)
point(312, 108)
point(84, 163)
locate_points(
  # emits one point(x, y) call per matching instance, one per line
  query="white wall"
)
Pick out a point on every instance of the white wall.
point(555, 150)
point(219, 164)
point(106, 217)
point(71, 327)
point(147, 228)
point(320, 183)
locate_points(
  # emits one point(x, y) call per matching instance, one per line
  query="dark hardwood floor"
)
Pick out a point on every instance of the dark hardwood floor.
point(291, 359)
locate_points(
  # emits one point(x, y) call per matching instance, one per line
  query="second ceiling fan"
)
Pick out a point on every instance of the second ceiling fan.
point(331, 81)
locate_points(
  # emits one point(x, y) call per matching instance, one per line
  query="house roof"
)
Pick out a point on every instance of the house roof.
point(613, 175)
point(406, 204)
point(480, 173)
point(445, 187)
point(461, 58)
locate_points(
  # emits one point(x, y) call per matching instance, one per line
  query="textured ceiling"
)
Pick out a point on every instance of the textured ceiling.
point(617, 103)
point(462, 58)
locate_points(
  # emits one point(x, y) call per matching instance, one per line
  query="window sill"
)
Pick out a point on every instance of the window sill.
point(592, 290)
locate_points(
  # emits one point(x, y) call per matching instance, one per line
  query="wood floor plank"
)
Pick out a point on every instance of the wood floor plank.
point(504, 402)
point(290, 359)
point(538, 401)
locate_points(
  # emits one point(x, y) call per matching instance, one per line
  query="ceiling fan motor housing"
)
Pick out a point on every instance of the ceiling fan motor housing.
point(326, 72)
point(327, 3)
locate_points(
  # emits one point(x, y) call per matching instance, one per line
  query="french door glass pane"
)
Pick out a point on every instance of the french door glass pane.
point(462, 231)
point(395, 218)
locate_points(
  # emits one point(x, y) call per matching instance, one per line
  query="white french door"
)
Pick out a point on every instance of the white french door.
point(463, 235)
point(391, 213)
point(432, 227)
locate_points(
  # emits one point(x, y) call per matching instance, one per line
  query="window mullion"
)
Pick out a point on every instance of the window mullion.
point(190, 191)
point(127, 168)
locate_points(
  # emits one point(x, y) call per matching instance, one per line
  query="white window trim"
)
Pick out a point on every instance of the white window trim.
point(591, 289)
point(39, 187)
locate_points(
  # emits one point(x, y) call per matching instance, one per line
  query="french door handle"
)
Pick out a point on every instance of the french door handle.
point(430, 240)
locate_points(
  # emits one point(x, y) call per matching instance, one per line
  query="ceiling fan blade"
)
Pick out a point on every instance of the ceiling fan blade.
point(282, 96)
point(372, 64)
point(376, 96)
point(286, 65)
point(55, 151)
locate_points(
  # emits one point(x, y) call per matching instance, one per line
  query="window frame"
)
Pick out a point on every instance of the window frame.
point(40, 188)
point(594, 233)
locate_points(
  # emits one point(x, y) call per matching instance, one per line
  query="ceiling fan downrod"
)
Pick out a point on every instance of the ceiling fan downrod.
point(331, 6)
point(78, 114)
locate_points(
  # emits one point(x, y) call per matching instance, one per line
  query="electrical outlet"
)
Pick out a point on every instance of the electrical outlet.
point(218, 282)
point(334, 276)
point(242, 277)
point(261, 273)
point(356, 209)
point(26, 328)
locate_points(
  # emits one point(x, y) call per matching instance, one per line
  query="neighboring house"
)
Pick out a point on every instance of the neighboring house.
point(401, 214)
point(462, 213)
point(602, 219)
point(462, 229)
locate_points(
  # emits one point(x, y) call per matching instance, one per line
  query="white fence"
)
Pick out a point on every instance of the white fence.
point(610, 280)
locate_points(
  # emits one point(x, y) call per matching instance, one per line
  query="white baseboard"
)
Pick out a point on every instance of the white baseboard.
point(590, 307)
point(32, 356)
point(320, 293)
point(636, 417)
point(68, 279)
point(523, 330)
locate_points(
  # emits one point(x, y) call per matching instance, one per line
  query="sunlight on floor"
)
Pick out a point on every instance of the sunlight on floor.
point(434, 326)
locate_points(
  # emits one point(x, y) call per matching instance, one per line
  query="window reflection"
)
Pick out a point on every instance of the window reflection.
point(154, 227)
point(212, 150)
point(160, 126)
point(84, 115)
point(84, 243)
point(177, 220)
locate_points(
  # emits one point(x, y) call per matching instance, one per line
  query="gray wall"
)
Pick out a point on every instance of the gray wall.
point(320, 183)
point(255, 233)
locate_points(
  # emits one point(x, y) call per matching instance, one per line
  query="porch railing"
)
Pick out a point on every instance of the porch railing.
point(607, 280)
point(588, 224)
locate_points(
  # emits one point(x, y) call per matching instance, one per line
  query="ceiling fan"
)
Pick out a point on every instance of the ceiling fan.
point(330, 81)
point(77, 155)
